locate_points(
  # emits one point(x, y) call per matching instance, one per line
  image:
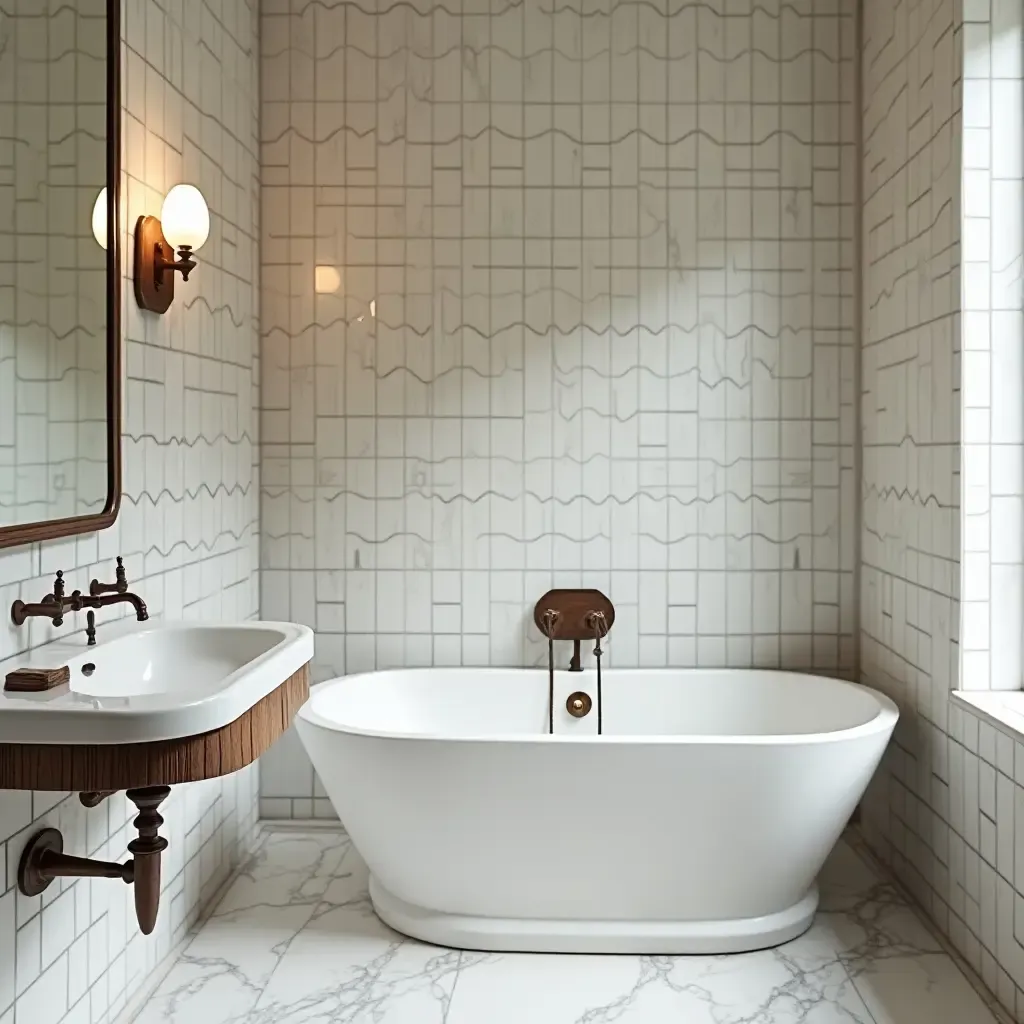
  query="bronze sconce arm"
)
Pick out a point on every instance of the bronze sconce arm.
point(183, 263)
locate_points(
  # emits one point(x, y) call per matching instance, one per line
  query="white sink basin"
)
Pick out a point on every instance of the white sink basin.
point(152, 681)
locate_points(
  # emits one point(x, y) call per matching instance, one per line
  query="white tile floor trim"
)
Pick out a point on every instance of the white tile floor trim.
point(295, 941)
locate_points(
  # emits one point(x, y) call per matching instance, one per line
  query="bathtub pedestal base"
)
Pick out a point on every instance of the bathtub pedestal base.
point(526, 935)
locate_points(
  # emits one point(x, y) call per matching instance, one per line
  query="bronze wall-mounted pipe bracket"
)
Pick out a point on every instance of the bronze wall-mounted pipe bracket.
point(44, 859)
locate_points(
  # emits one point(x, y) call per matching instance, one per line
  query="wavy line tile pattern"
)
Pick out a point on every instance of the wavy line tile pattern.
point(943, 230)
point(557, 295)
point(52, 315)
point(188, 526)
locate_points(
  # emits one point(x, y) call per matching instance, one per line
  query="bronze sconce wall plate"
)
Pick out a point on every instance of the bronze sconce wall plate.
point(154, 266)
point(185, 218)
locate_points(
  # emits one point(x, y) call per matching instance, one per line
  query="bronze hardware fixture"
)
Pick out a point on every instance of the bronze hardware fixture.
point(44, 859)
point(155, 265)
point(90, 637)
point(95, 797)
point(118, 593)
point(120, 587)
point(550, 617)
point(574, 615)
point(101, 595)
point(572, 608)
point(578, 704)
point(52, 606)
point(598, 623)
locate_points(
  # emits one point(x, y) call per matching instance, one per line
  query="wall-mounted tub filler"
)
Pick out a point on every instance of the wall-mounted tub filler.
point(574, 615)
point(698, 822)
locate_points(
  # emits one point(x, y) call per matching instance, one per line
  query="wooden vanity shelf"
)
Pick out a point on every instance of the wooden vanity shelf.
point(110, 767)
point(146, 771)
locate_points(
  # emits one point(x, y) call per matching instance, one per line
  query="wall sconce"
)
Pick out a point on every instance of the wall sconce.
point(184, 224)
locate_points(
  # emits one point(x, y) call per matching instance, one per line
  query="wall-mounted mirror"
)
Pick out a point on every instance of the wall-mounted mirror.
point(60, 296)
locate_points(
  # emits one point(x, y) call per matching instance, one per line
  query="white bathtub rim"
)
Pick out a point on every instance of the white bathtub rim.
point(884, 721)
point(525, 935)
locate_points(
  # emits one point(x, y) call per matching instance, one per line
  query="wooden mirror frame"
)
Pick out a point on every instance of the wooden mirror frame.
point(28, 533)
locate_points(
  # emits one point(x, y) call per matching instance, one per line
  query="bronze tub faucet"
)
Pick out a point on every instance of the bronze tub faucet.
point(574, 615)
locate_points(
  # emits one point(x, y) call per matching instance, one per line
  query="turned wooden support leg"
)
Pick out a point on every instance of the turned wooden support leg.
point(146, 850)
point(44, 859)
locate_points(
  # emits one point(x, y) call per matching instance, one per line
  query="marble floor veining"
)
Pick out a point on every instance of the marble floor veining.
point(295, 941)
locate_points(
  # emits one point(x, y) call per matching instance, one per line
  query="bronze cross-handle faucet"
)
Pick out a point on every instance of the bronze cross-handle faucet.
point(101, 595)
point(120, 587)
point(52, 607)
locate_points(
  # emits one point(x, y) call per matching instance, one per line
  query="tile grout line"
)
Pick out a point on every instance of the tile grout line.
point(872, 1019)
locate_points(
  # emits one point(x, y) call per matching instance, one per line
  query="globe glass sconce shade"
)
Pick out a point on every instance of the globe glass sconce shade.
point(185, 217)
point(99, 219)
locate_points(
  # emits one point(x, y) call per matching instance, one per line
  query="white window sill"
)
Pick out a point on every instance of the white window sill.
point(1002, 708)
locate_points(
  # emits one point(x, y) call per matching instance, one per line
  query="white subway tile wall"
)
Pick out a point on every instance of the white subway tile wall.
point(557, 295)
point(941, 364)
point(188, 525)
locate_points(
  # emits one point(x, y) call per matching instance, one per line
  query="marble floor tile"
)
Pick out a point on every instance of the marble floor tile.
point(386, 981)
point(295, 941)
point(758, 988)
point(288, 869)
point(207, 989)
point(926, 989)
point(226, 967)
point(876, 924)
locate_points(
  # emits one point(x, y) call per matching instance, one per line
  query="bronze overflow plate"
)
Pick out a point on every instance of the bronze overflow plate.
point(578, 704)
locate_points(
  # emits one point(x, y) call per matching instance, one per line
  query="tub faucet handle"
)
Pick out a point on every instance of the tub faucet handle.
point(598, 624)
point(550, 619)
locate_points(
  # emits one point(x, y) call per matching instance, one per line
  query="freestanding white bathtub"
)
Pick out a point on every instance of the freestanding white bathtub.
point(697, 823)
